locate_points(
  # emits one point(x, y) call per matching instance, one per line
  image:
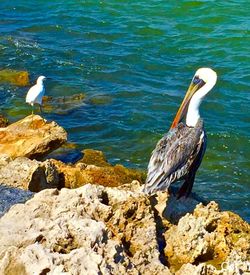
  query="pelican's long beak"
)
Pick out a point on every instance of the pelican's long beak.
point(195, 85)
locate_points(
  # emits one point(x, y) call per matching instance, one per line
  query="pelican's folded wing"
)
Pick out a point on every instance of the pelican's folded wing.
point(173, 156)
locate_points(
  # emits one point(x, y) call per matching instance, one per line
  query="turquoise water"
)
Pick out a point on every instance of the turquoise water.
point(138, 57)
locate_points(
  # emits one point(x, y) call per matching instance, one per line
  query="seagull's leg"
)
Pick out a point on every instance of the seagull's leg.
point(32, 114)
point(40, 108)
point(41, 111)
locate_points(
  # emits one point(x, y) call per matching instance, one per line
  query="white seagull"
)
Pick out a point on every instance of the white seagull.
point(36, 93)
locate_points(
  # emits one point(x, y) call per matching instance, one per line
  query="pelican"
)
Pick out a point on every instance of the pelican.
point(178, 154)
point(36, 93)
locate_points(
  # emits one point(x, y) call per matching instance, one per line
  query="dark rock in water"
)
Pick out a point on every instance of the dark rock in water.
point(100, 100)
point(10, 196)
point(63, 104)
point(3, 121)
point(67, 153)
point(17, 78)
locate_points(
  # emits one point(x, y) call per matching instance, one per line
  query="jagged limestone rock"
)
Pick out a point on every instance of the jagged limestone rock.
point(94, 168)
point(207, 236)
point(89, 230)
point(28, 174)
point(31, 137)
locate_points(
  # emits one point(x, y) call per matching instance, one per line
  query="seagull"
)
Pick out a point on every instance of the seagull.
point(178, 154)
point(36, 93)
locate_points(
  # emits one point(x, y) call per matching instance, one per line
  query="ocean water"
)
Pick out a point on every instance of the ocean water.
point(137, 59)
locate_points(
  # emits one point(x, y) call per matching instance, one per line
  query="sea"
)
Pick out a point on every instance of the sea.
point(133, 61)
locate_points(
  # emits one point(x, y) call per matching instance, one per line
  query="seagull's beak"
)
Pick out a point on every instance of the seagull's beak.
point(195, 85)
point(48, 78)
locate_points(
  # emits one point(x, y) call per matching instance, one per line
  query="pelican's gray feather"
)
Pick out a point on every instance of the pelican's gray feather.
point(178, 152)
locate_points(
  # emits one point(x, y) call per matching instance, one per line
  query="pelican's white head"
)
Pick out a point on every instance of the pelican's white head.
point(40, 79)
point(202, 82)
point(208, 76)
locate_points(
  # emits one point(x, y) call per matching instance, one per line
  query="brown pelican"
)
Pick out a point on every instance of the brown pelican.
point(179, 153)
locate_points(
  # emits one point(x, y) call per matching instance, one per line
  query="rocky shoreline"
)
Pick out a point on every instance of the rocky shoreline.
point(91, 217)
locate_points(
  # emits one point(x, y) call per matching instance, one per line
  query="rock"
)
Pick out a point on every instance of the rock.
point(100, 100)
point(67, 153)
point(10, 196)
point(177, 208)
point(200, 269)
point(18, 78)
point(31, 137)
point(63, 104)
point(207, 236)
point(28, 174)
point(232, 266)
point(3, 121)
point(94, 157)
point(118, 230)
point(89, 230)
point(93, 168)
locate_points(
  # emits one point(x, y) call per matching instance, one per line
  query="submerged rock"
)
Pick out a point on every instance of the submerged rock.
point(18, 78)
point(89, 230)
point(31, 137)
point(63, 104)
point(67, 153)
point(100, 100)
point(93, 168)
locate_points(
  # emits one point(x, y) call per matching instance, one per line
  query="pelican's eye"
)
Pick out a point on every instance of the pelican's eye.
point(198, 81)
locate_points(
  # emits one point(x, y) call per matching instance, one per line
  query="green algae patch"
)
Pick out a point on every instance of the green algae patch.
point(94, 157)
point(110, 175)
point(13, 77)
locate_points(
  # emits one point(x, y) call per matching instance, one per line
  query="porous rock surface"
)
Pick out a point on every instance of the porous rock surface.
point(35, 175)
point(89, 230)
point(28, 174)
point(208, 236)
point(31, 137)
point(101, 230)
